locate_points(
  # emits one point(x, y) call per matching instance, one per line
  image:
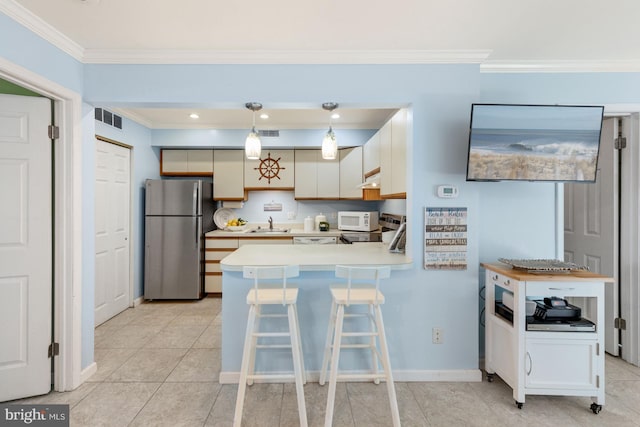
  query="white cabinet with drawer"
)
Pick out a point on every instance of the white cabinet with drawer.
point(559, 362)
point(215, 250)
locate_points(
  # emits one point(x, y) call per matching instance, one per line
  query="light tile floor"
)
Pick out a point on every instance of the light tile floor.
point(158, 365)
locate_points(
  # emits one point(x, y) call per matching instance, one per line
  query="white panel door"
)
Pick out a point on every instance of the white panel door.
point(591, 228)
point(112, 192)
point(25, 246)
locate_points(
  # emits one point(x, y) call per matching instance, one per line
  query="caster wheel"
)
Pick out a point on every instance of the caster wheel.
point(596, 408)
point(490, 378)
point(519, 404)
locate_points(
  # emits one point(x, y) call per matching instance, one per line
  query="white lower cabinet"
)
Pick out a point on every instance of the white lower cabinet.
point(216, 248)
point(562, 362)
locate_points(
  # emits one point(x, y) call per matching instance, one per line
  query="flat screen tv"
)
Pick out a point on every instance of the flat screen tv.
point(534, 142)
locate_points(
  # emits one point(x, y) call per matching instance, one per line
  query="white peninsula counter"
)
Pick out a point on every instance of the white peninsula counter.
point(315, 257)
point(317, 264)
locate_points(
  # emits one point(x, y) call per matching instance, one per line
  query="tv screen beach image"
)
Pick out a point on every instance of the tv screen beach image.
point(534, 143)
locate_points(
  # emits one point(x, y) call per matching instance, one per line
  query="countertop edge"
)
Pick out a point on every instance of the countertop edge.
point(315, 257)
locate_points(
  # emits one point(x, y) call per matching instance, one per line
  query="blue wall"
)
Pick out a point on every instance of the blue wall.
point(505, 219)
point(439, 97)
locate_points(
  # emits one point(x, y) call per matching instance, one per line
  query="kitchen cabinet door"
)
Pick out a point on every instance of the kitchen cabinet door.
point(186, 162)
point(315, 177)
point(351, 173)
point(200, 162)
point(399, 158)
point(228, 177)
point(393, 157)
point(306, 174)
point(371, 155)
point(385, 159)
point(274, 170)
point(328, 177)
point(173, 162)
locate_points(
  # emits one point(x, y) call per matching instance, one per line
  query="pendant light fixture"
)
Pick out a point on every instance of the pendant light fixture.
point(329, 142)
point(252, 145)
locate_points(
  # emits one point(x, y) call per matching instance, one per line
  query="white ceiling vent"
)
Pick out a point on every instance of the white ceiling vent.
point(108, 118)
point(269, 133)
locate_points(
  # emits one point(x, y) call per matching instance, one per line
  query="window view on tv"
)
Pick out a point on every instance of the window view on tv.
point(534, 142)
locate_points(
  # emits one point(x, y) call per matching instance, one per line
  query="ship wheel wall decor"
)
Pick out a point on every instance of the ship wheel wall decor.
point(269, 168)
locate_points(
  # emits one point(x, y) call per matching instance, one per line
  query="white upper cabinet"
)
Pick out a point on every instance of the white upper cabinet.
point(274, 170)
point(393, 157)
point(351, 173)
point(315, 177)
point(385, 158)
point(228, 178)
point(186, 162)
point(371, 155)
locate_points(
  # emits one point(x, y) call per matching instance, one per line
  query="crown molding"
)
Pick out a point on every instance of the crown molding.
point(131, 116)
point(174, 56)
point(560, 66)
point(33, 23)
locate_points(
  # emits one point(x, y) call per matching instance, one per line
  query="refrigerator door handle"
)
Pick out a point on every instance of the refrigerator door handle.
point(197, 227)
point(195, 199)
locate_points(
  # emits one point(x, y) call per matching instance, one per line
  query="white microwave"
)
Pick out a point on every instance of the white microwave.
point(358, 221)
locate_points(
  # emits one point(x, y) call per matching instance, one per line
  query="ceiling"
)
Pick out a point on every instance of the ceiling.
point(591, 35)
point(299, 118)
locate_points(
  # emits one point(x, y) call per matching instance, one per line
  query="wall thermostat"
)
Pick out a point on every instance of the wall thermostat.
point(447, 191)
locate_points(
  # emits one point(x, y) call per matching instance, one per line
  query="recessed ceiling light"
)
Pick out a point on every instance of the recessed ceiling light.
point(335, 116)
point(264, 116)
point(194, 116)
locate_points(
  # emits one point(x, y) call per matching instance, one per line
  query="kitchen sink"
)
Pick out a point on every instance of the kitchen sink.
point(270, 230)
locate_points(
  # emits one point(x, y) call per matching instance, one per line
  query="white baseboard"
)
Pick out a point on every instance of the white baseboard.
point(457, 375)
point(87, 372)
point(138, 301)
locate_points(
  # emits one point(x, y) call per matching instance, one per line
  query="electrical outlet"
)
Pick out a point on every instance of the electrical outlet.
point(436, 335)
point(291, 215)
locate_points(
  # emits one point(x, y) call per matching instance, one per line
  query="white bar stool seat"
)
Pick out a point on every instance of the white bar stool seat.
point(256, 298)
point(368, 293)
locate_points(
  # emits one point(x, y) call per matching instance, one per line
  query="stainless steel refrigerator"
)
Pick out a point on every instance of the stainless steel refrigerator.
point(177, 214)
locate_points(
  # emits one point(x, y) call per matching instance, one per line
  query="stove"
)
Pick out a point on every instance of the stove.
point(360, 237)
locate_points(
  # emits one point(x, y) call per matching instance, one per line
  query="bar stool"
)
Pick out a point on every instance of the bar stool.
point(367, 293)
point(256, 298)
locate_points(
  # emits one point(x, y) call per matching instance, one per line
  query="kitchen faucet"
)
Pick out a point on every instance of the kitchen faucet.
point(270, 223)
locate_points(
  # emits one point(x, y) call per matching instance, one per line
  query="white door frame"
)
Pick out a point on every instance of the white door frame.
point(630, 242)
point(67, 208)
point(630, 239)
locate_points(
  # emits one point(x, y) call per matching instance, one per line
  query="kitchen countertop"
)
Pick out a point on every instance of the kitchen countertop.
point(293, 232)
point(315, 257)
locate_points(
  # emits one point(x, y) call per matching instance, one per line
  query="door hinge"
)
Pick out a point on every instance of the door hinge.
point(620, 142)
point(54, 132)
point(597, 381)
point(620, 323)
point(597, 349)
point(54, 349)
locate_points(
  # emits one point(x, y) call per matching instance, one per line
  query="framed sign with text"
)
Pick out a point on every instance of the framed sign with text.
point(445, 235)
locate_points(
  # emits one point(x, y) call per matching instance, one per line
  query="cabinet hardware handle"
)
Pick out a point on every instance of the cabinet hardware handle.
point(562, 289)
point(530, 364)
point(495, 277)
point(507, 282)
